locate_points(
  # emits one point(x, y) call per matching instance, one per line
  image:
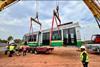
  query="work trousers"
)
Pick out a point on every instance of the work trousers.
point(85, 64)
point(24, 52)
point(6, 52)
point(11, 53)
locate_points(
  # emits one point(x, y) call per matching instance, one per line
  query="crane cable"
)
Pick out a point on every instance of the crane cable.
point(57, 6)
point(36, 13)
point(36, 17)
point(36, 7)
point(97, 20)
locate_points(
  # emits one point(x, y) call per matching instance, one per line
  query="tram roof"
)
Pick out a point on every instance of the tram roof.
point(62, 26)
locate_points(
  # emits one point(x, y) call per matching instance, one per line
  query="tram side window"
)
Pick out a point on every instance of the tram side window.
point(46, 36)
point(29, 38)
point(32, 38)
point(65, 33)
point(56, 35)
point(26, 38)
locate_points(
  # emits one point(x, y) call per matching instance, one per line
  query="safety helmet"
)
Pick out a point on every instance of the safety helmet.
point(82, 47)
point(11, 42)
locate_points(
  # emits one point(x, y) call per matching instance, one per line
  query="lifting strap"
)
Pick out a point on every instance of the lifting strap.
point(55, 18)
point(36, 20)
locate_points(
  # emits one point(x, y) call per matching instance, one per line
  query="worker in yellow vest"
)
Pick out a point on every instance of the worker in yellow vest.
point(84, 56)
point(11, 50)
point(7, 49)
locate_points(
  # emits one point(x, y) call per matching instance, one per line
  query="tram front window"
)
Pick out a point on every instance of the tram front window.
point(56, 35)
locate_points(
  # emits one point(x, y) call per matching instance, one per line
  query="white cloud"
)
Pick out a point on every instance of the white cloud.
point(16, 18)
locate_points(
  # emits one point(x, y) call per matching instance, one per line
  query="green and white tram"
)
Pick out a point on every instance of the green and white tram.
point(67, 35)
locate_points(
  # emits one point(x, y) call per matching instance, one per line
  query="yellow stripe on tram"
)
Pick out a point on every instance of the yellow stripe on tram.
point(57, 41)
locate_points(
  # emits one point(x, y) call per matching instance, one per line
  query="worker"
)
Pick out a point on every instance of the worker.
point(24, 49)
point(84, 56)
point(25, 43)
point(27, 47)
point(19, 50)
point(7, 49)
point(11, 49)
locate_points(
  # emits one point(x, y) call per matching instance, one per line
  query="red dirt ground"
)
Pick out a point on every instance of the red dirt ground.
point(60, 57)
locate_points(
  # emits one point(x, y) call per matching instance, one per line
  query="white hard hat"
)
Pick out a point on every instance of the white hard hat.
point(11, 42)
point(82, 47)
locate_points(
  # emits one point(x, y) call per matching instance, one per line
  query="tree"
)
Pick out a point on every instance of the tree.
point(9, 38)
point(3, 41)
point(17, 41)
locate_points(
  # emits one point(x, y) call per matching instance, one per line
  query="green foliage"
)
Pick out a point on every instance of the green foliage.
point(10, 38)
point(3, 41)
point(17, 41)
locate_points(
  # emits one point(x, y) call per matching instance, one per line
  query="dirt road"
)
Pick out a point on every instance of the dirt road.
point(60, 57)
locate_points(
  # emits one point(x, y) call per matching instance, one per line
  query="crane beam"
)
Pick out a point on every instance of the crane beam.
point(6, 3)
point(95, 9)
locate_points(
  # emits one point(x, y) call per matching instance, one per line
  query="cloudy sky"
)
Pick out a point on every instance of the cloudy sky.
point(15, 19)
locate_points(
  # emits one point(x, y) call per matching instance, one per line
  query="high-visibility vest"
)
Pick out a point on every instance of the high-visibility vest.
point(84, 58)
point(11, 48)
point(7, 47)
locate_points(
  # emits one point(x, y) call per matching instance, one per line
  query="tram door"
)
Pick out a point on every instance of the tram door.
point(72, 34)
point(45, 39)
point(65, 36)
point(69, 36)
